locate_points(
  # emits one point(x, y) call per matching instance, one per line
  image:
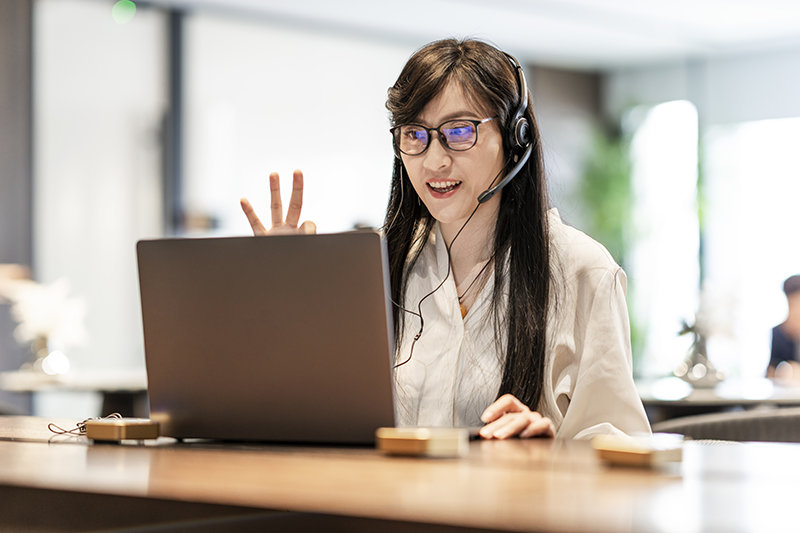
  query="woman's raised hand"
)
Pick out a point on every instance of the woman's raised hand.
point(279, 225)
point(508, 417)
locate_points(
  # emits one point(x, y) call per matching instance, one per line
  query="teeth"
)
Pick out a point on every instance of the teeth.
point(439, 185)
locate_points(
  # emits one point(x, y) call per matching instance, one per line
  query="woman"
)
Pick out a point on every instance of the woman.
point(503, 315)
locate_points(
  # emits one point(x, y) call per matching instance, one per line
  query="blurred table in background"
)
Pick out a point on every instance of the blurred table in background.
point(671, 397)
point(12, 355)
point(123, 391)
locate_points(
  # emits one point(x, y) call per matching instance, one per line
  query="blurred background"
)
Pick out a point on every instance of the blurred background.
point(670, 132)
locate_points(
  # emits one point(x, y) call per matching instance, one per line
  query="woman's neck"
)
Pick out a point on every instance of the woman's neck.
point(474, 245)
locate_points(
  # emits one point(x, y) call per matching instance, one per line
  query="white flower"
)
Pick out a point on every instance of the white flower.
point(46, 311)
point(715, 315)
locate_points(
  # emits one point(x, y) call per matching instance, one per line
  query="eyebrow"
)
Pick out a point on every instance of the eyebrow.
point(452, 116)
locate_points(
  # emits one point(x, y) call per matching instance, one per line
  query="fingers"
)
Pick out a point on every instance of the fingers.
point(279, 225)
point(524, 425)
point(506, 403)
point(308, 228)
point(275, 205)
point(509, 425)
point(255, 222)
point(508, 416)
point(543, 427)
point(295, 201)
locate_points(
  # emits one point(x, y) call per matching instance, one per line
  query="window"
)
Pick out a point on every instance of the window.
point(663, 270)
point(262, 98)
point(99, 99)
point(752, 234)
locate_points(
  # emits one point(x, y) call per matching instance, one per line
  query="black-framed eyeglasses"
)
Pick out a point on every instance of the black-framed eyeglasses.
point(458, 135)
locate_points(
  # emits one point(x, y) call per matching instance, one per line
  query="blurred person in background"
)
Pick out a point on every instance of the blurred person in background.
point(784, 362)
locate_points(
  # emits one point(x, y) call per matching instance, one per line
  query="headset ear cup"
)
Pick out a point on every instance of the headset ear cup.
point(522, 133)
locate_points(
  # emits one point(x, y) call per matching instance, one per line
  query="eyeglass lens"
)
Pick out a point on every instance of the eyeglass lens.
point(456, 134)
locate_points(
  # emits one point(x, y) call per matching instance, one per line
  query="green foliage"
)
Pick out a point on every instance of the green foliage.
point(605, 193)
point(702, 203)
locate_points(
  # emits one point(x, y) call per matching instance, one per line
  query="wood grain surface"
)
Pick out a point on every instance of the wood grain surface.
point(515, 485)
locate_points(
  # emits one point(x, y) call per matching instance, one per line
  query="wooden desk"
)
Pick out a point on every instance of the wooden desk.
point(667, 398)
point(539, 485)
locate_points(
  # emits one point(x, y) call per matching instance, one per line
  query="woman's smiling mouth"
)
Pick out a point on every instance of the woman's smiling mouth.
point(443, 187)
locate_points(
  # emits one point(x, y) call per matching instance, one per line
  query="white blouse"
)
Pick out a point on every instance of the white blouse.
point(456, 367)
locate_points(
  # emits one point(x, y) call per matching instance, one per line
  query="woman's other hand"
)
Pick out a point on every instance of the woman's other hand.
point(509, 417)
point(279, 225)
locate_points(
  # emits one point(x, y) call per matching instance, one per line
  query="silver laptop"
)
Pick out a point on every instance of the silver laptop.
point(282, 339)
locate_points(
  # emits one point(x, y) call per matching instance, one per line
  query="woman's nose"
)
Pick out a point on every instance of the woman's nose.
point(436, 156)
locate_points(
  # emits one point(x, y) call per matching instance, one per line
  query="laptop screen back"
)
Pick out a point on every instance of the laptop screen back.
point(284, 338)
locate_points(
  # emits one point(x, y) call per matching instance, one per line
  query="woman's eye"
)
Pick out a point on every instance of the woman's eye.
point(461, 133)
point(417, 135)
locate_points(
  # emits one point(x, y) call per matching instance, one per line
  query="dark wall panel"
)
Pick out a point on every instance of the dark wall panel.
point(15, 130)
point(16, 96)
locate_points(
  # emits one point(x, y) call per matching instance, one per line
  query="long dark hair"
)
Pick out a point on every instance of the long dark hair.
point(521, 244)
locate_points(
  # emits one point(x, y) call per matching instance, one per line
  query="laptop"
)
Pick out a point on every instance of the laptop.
point(278, 339)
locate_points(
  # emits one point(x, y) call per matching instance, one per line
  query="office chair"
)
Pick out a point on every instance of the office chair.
point(772, 425)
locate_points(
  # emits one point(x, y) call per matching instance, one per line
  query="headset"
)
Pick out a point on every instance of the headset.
point(519, 135)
